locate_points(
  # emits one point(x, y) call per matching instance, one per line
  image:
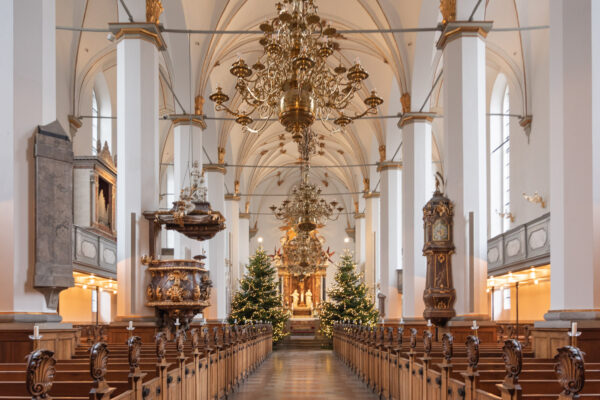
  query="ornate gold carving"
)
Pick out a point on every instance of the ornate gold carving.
point(221, 152)
point(405, 101)
point(448, 10)
point(199, 105)
point(513, 362)
point(134, 348)
point(197, 293)
point(382, 153)
point(570, 369)
point(447, 346)
point(40, 373)
point(535, 199)
point(153, 10)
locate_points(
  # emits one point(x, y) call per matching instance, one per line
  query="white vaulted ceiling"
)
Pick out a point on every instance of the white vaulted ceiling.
point(397, 63)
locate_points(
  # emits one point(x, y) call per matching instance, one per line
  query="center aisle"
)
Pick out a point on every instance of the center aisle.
point(302, 374)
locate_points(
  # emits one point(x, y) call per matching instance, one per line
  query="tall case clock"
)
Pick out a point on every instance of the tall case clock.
point(439, 294)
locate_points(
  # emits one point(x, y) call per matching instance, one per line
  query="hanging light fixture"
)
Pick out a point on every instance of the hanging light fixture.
point(293, 78)
point(305, 208)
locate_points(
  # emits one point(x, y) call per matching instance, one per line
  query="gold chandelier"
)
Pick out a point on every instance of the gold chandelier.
point(292, 78)
point(305, 208)
point(302, 253)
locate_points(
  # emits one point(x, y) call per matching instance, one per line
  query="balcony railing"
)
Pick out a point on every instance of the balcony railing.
point(94, 253)
point(524, 246)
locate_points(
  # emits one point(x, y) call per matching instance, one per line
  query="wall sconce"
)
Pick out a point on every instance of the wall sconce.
point(508, 215)
point(535, 199)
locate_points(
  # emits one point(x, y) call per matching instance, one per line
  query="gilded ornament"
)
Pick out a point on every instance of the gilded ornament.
point(197, 293)
point(221, 155)
point(382, 153)
point(448, 10)
point(149, 293)
point(153, 10)
point(405, 101)
point(199, 105)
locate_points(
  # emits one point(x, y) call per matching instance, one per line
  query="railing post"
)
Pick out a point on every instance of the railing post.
point(570, 369)
point(162, 365)
point(181, 359)
point(426, 359)
point(134, 347)
point(411, 361)
point(513, 362)
point(446, 365)
point(471, 375)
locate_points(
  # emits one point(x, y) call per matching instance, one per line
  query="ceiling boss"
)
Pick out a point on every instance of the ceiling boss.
point(293, 79)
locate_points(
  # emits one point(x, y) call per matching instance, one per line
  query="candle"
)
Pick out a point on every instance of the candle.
point(475, 324)
point(130, 325)
point(573, 329)
point(429, 323)
point(36, 331)
point(402, 321)
point(177, 322)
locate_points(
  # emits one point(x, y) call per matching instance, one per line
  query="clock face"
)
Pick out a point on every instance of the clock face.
point(440, 230)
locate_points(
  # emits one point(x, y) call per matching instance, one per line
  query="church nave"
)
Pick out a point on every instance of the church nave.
point(302, 374)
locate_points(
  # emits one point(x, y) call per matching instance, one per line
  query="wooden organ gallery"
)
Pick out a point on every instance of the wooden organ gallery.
point(250, 199)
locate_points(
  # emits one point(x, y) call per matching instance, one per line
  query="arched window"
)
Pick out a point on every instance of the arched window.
point(500, 157)
point(95, 124)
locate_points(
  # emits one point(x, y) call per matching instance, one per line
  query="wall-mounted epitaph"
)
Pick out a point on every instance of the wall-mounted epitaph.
point(439, 294)
point(53, 212)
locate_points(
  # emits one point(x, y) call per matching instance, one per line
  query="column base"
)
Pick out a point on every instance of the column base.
point(26, 317)
point(572, 315)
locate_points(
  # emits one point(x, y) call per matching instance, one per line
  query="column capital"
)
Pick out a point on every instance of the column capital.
point(456, 29)
point(139, 30)
point(386, 165)
point(359, 215)
point(244, 215)
point(214, 168)
point(410, 117)
point(371, 195)
point(188, 119)
point(232, 197)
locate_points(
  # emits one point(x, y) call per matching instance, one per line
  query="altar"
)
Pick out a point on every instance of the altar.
point(302, 293)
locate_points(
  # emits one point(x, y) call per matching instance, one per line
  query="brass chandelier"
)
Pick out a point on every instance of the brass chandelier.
point(302, 253)
point(305, 208)
point(293, 79)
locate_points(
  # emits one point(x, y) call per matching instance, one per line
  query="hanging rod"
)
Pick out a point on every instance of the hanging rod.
point(257, 32)
point(287, 194)
point(300, 166)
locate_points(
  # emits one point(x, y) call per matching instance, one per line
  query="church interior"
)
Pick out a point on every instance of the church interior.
point(300, 199)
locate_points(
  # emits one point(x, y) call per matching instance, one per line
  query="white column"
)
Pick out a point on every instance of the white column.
point(232, 204)
point(359, 241)
point(463, 44)
point(27, 99)
point(372, 255)
point(244, 242)
point(187, 140)
point(416, 192)
point(391, 237)
point(215, 180)
point(138, 168)
point(575, 153)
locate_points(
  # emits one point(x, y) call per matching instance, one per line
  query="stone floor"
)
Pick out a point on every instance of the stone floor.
point(302, 374)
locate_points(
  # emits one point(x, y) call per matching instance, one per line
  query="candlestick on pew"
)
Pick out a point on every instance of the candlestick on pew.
point(130, 328)
point(475, 328)
point(36, 337)
point(574, 333)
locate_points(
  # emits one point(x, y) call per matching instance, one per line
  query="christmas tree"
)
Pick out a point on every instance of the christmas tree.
point(349, 298)
point(257, 299)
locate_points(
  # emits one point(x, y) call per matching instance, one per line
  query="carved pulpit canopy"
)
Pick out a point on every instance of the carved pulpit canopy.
point(439, 294)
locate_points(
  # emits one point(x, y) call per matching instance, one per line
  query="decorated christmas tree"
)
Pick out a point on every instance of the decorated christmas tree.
point(257, 299)
point(349, 298)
